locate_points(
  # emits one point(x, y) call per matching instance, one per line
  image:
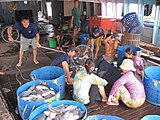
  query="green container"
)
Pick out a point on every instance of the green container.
point(52, 43)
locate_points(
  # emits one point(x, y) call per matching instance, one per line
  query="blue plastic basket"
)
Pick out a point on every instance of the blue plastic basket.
point(132, 23)
point(44, 107)
point(51, 73)
point(121, 53)
point(152, 84)
point(25, 107)
point(84, 39)
point(103, 117)
point(151, 117)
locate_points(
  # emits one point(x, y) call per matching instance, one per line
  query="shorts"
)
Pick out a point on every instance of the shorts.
point(25, 42)
point(77, 25)
point(97, 41)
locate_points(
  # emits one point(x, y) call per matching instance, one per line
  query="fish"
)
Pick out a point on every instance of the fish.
point(27, 98)
point(26, 93)
point(70, 108)
point(63, 112)
point(47, 112)
point(42, 87)
point(59, 108)
point(37, 93)
point(41, 117)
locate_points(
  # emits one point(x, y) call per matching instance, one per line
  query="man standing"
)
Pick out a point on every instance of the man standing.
point(29, 36)
point(75, 20)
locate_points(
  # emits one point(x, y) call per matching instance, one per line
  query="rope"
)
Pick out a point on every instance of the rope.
point(20, 72)
point(47, 48)
point(16, 40)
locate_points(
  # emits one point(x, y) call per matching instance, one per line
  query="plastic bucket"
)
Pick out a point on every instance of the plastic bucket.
point(121, 53)
point(42, 108)
point(51, 73)
point(103, 117)
point(152, 84)
point(132, 23)
point(25, 107)
point(151, 117)
point(84, 39)
point(52, 43)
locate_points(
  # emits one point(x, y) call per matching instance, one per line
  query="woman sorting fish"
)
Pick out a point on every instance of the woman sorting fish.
point(83, 80)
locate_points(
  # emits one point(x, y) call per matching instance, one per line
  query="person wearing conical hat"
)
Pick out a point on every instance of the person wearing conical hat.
point(127, 88)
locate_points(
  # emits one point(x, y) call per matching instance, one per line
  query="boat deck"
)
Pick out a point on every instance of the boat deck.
point(13, 78)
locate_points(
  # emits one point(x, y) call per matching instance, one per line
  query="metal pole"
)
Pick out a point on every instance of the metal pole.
point(141, 9)
point(156, 26)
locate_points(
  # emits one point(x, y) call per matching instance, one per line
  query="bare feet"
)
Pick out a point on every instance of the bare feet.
point(69, 83)
point(19, 64)
point(36, 62)
point(104, 100)
point(2, 73)
point(112, 103)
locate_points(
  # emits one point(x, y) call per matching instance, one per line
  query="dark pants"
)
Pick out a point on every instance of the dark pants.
point(106, 71)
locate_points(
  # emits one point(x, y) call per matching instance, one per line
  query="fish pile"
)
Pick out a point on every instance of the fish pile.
point(62, 112)
point(38, 93)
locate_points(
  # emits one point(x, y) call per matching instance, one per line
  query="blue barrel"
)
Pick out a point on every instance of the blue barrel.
point(51, 73)
point(84, 39)
point(132, 23)
point(152, 84)
point(103, 117)
point(26, 107)
point(42, 108)
point(151, 117)
point(121, 53)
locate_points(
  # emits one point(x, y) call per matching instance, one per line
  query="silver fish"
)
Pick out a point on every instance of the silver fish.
point(37, 93)
point(32, 88)
point(41, 117)
point(26, 93)
point(42, 87)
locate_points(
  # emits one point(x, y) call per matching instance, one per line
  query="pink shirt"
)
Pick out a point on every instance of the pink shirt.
point(133, 85)
point(138, 63)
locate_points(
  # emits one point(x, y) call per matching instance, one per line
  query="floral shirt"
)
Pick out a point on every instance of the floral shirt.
point(82, 84)
point(133, 85)
point(138, 64)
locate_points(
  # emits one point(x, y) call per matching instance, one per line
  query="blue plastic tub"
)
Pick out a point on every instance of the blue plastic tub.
point(84, 39)
point(151, 117)
point(44, 107)
point(121, 53)
point(25, 107)
point(132, 23)
point(152, 84)
point(51, 73)
point(103, 117)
